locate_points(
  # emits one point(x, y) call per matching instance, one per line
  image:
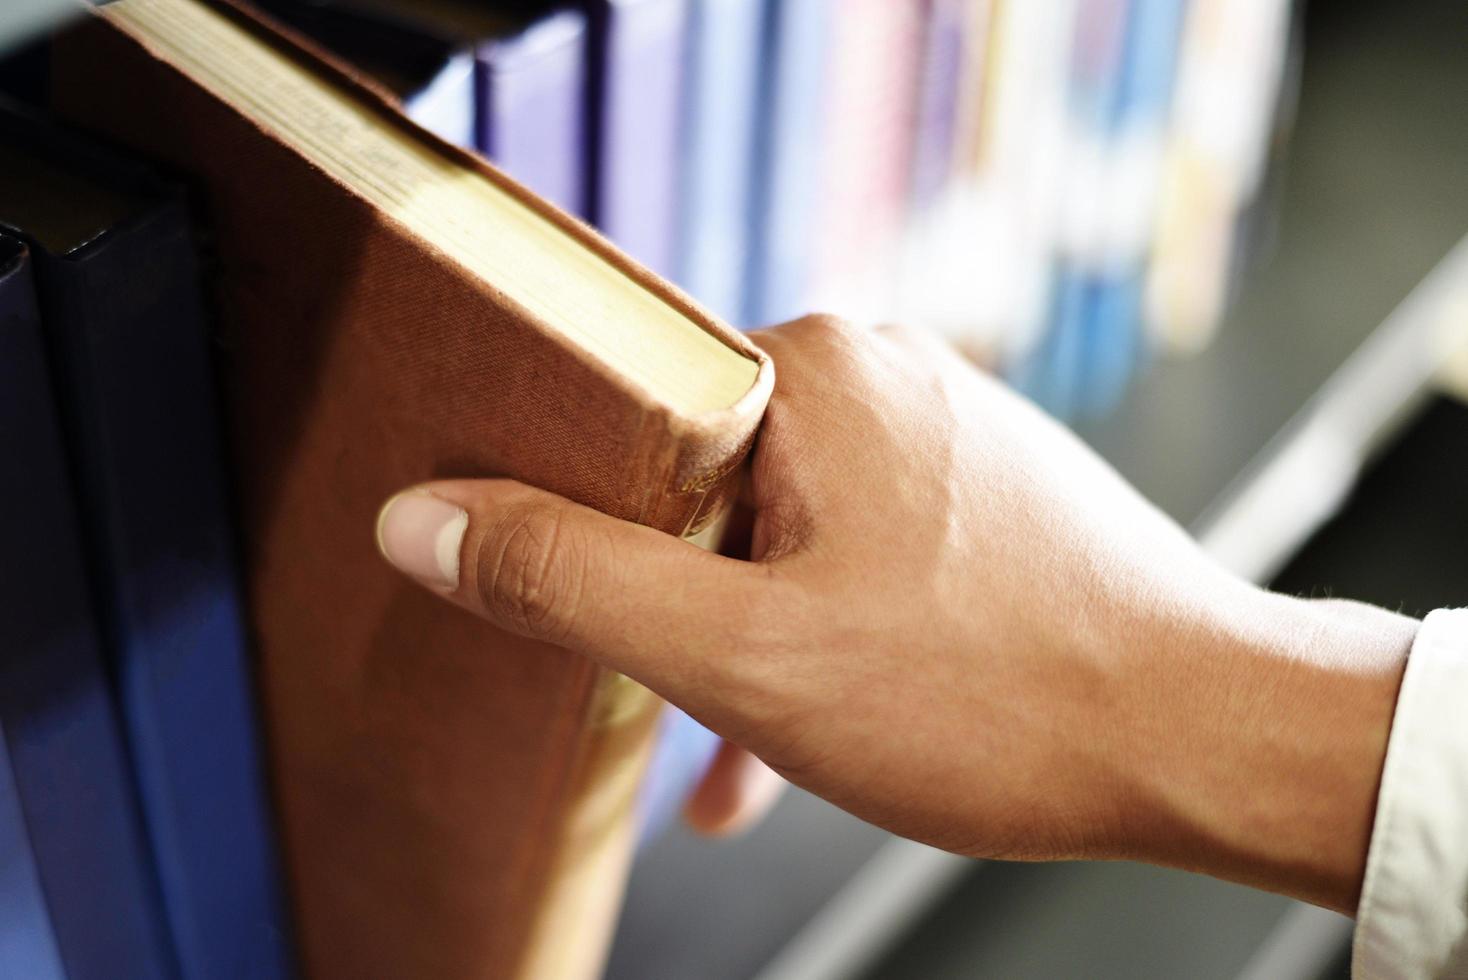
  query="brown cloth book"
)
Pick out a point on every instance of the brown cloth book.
point(453, 801)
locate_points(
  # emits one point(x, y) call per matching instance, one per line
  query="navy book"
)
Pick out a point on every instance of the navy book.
point(27, 941)
point(65, 750)
point(119, 290)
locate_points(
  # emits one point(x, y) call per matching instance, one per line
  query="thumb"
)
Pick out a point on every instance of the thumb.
point(640, 601)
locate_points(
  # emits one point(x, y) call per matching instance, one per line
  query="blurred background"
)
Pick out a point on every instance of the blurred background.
point(1247, 295)
point(1218, 237)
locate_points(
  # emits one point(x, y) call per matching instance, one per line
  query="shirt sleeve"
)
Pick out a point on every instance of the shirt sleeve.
point(1413, 918)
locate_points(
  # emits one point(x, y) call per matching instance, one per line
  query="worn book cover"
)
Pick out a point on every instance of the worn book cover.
point(453, 801)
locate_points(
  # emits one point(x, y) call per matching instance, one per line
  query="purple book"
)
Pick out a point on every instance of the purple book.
point(944, 44)
point(531, 109)
point(637, 55)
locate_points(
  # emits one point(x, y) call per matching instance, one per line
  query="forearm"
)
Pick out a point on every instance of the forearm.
point(1266, 735)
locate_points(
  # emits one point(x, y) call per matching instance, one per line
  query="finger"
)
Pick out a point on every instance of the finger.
point(535, 564)
point(734, 795)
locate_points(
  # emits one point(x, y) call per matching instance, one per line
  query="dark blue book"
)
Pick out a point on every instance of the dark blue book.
point(789, 148)
point(66, 753)
point(719, 114)
point(27, 941)
point(637, 58)
point(28, 945)
point(119, 289)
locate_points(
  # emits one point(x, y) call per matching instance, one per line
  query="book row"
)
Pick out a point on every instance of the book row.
point(1056, 186)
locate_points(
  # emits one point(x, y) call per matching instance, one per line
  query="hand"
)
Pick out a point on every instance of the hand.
point(961, 625)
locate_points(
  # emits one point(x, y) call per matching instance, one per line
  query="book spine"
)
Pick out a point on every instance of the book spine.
point(1018, 164)
point(28, 941)
point(637, 64)
point(718, 150)
point(1122, 71)
point(1079, 253)
point(125, 314)
point(939, 239)
point(531, 111)
point(944, 47)
point(871, 97)
point(1234, 54)
point(789, 149)
point(1116, 341)
point(66, 751)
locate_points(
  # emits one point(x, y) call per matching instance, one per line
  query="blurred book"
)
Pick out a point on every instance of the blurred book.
point(1115, 343)
point(719, 118)
point(943, 229)
point(1018, 180)
point(790, 149)
point(638, 58)
point(1054, 371)
point(863, 182)
point(1231, 68)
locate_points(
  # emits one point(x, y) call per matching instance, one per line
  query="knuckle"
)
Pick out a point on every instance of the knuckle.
point(825, 327)
point(530, 571)
point(900, 332)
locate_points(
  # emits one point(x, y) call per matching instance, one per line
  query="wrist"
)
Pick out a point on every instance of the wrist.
point(1262, 755)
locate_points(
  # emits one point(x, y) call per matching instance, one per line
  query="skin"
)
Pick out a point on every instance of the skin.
point(958, 623)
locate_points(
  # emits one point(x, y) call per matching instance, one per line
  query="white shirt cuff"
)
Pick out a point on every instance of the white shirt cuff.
point(1413, 917)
